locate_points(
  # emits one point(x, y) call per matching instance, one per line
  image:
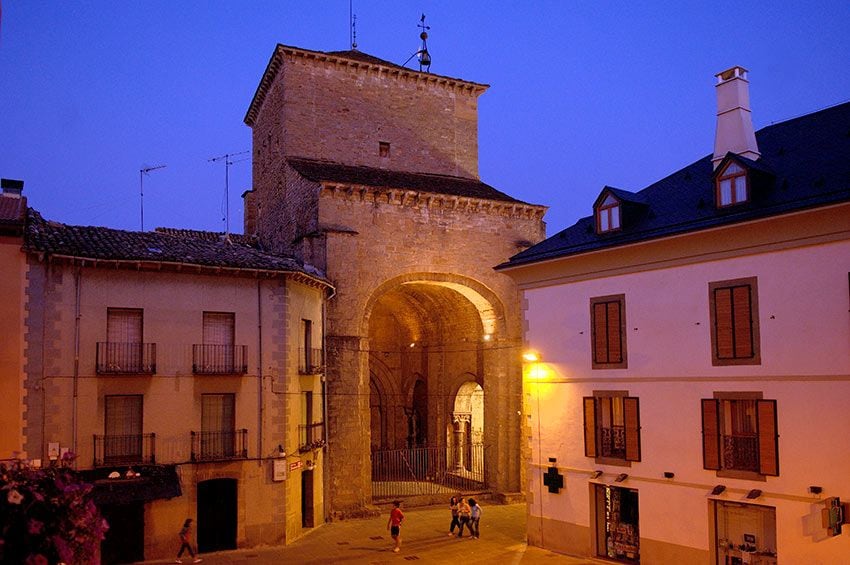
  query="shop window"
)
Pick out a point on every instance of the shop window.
point(745, 533)
point(617, 519)
point(608, 331)
point(734, 322)
point(740, 437)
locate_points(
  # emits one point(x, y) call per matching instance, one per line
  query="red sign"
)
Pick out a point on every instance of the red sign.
point(296, 465)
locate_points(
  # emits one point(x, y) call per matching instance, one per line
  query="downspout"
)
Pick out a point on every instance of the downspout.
point(77, 294)
point(259, 373)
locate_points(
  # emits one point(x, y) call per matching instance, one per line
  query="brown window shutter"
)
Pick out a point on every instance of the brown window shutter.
point(631, 418)
point(742, 316)
point(768, 437)
point(723, 323)
point(615, 352)
point(710, 434)
point(589, 426)
point(600, 335)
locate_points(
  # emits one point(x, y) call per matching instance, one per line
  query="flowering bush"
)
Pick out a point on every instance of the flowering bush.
point(47, 516)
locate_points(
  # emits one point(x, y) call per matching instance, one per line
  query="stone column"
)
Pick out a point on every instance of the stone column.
point(459, 421)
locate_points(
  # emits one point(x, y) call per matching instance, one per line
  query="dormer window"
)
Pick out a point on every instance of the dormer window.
point(608, 215)
point(732, 186)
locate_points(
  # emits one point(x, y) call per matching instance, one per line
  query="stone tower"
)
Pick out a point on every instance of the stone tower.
point(369, 171)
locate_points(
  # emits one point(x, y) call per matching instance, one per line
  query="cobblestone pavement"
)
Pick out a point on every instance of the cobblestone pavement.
point(424, 540)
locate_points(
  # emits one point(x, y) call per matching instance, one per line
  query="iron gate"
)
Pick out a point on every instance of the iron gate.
point(397, 473)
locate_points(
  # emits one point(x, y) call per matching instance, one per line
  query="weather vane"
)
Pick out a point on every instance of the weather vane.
point(422, 55)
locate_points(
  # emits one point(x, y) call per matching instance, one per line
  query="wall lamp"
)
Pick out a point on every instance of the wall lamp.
point(596, 474)
point(755, 493)
point(815, 489)
point(669, 474)
point(621, 477)
point(718, 489)
point(531, 357)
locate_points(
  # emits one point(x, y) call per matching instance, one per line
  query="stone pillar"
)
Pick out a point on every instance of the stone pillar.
point(459, 421)
point(349, 461)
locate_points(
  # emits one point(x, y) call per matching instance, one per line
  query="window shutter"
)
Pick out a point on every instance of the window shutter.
point(123, 325)
point(600, 337)
point(219, 328)
point(631, 419)
point(768, 437)
point(589, 426)
point(710, 434)
point(742, 317)
point(615, 353)
point(723, 323)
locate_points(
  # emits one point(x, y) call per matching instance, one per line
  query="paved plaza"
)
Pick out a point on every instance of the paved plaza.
point(424, 539)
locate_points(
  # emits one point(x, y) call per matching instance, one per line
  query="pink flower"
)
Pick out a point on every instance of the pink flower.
point(14, 497)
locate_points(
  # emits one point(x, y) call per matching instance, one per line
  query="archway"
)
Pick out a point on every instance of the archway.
point(429, 341)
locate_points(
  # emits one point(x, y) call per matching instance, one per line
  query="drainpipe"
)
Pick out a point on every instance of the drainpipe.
point(77, 294)
point(325, 482)
point(259, 373)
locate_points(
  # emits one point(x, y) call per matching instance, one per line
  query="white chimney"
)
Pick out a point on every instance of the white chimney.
point(734, 121)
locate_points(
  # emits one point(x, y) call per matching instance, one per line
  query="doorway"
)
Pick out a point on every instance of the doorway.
point(307, 520)
point(744, 533)
point(217, 515)
point(617, 532)
point(125, 539)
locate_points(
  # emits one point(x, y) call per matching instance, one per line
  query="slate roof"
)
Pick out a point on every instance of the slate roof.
point(805, 162)
point(325, 171)
point(185, 247)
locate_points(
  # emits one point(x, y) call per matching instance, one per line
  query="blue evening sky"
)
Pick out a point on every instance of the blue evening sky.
point(583, 94)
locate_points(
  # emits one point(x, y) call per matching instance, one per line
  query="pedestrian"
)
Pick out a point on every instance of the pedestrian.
point(394, 524)
point(453, 505)
point(475, 517)
point(464, 512)
point(186, 542)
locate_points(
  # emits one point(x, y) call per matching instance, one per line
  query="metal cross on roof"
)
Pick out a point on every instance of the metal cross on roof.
point(553, 479)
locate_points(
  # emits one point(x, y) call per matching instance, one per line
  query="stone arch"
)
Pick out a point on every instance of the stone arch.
point(468, 427)
point(386, 406)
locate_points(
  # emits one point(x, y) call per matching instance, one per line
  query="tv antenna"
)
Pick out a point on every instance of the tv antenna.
point(422, 55)
point(227, 162)
point(352, 17)
point(142, 172)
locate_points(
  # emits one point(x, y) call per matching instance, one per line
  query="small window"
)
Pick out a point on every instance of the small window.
point(734, 322)
point(740, 437)
point(612, 427)
point(608, 215)
point(732, 186)
point(384, 148)
point(608, 332)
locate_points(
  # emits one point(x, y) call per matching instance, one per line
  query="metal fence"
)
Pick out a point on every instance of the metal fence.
point(397, 473)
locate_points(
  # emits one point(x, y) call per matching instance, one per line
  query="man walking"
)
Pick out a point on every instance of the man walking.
point(394, 524)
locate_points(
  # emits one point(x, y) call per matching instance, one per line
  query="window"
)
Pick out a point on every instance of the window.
point(608, 331)
point(122, 430)
point(732, 186)
point(384, 148)
point(124, 347)
point(739, 435)
point(218, 426)
point(310, 358)
point(612, 427)
point(218, 355)
point(608, 215)
point(734, 322)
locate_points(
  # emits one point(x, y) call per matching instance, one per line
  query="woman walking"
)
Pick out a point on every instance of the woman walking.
point(453, 504)
point(475, 518)
point(464, 513)
point(186, 542)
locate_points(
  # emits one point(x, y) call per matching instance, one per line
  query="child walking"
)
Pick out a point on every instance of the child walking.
point(394, 524)
point(186, 542)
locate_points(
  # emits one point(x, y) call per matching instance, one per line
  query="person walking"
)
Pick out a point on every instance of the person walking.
point(464, 512)
point(453, 505)
point(394, 524)
point(475, 517)
point(186, 542)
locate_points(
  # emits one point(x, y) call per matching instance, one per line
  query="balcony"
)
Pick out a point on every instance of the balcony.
point(220, 445)
point(311, 361)
point(740, 452)
point(219, 359)
point(613, 442)
point(134, 449)
point(311, 436)
point(126, 358)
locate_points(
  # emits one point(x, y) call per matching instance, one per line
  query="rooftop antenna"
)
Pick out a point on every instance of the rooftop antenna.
point(422, 55)
point(352, 17)
point(142, 172)
point(227, 162)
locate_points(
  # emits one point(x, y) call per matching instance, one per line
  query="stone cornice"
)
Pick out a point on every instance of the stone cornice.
point(389, 69)
point(420, 199)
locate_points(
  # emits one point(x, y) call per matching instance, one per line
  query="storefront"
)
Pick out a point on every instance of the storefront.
point(745, 534)
point(617, 532)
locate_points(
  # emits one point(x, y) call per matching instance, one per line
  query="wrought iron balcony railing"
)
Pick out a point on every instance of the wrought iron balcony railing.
point(219, 359)
point(613, 441)
point(220, 445)
point(126, 358)
point(133, 449)
point(740, 452)
point(311, 361)
point(311, 436)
